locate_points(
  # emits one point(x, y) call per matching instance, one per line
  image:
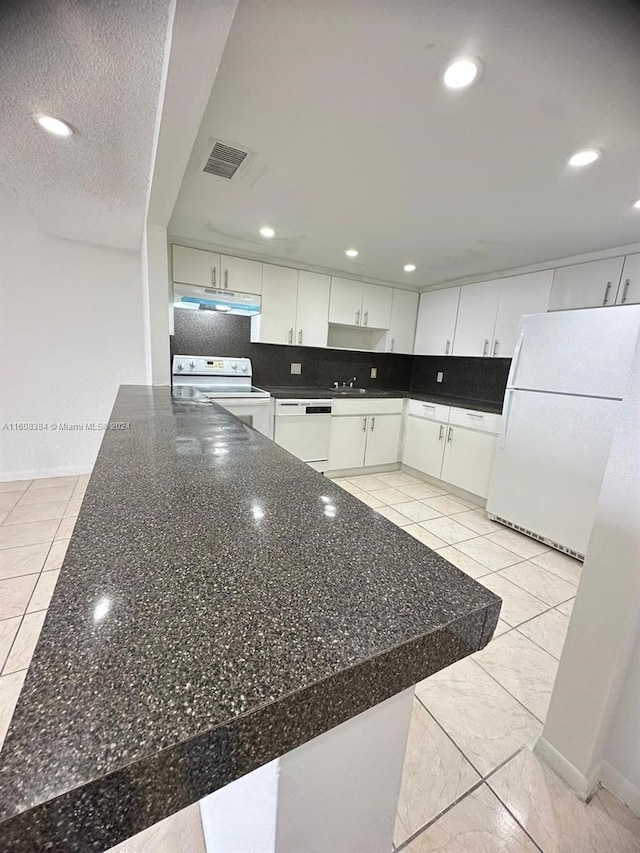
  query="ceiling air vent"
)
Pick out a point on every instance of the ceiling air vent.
point(224, 160)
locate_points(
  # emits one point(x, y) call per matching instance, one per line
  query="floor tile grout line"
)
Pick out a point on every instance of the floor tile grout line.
point(531, 593)
point(506, 807)
point(440, 726)
point(519, 701)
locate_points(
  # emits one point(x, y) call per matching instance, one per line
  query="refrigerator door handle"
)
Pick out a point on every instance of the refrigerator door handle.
point(505, 418)
point(511, 381)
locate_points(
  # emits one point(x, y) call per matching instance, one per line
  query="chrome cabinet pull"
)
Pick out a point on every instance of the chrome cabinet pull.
point(605, 301)
point(485, 349)
point(213, 276)
point(290, 336)
point(496, 344)
point(226, 279)
point(364, 425)
point(447, 348)
point(627, 282)
point(366, 317)
point(392, 343)
point(449, 433)
point(373, 424)
point(441, 432)
point(428, 406)
point(357, 318)
point(300, 336)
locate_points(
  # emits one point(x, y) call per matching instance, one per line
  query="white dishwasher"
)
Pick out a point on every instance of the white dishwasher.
point(303, 427)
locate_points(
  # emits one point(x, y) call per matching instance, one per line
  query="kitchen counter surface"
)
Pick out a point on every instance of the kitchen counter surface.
point(220, 604)
point(314, 393)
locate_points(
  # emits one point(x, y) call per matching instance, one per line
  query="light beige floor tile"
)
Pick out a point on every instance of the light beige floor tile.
point(566, 607)
point(179, 833)
point(73, 507)
point(548, 631)
point(25, 642)
point(22, 561)
point(483, 719)
point(448, 530)
point(390, 496)
point(347, 486)
point(10, 687)
point(15, 594)
point(501, 628)
point(17, 535)
point(418, 492)
point(422, 535)
point(522, 668)
point(446, 504)
point(390, 513)
point(3, 514)
point(479, 823)
point(488, 553)
point(42, 496)
point(53, 482)
point(368, 499)
point(9, 499)
point(41, 597)
point(559, 564)
point(417, 511)
point(24, 514)
point(518, 605)
point(8, 631)
point(523, 546)
point(366, 482)
point(556, 819)
point(14, 486)
point(396, 479)
point(56, 554)
point(538, 582)
point(83, 480)
point(477, 521)
point(467, 564)
point(66, 527)
point(435, 774)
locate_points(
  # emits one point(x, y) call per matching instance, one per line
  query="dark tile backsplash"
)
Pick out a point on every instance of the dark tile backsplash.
point(206, 333)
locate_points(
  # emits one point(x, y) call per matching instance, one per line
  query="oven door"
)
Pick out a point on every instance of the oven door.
point(255, 413)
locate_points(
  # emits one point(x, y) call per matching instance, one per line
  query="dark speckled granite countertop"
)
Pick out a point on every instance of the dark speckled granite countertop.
point(315, 393)
point(220, 604)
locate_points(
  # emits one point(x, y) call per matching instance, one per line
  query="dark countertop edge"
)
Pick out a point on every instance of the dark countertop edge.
point(192, 769)
point(308, 392)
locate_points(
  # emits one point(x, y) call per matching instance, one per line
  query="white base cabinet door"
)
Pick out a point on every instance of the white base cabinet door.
point(424, 445)
point(468, 458)
point(436, 322)
point(383, 439)
point(348, 442)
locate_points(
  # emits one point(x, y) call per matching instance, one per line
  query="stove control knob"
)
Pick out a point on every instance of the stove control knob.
point(179, 365)
point(192, 364)
point(244, 368)
point(234, 365)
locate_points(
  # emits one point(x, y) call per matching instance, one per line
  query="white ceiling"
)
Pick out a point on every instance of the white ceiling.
point(98, 66)
point(358, 144)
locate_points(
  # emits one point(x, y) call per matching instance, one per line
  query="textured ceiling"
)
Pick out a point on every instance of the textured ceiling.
point(357, 144)
point(96, 64)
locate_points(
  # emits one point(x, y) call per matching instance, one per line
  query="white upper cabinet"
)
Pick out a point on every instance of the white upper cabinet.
point(476, 318)
point(276, 324)
point(404, 310)
point(195, 266)
point(312, 324)
point(376, 306)
point(629, 290)
point(353, 303)
point(519, 294)
point(241, 274)
point(589, 285)
point(436, 321)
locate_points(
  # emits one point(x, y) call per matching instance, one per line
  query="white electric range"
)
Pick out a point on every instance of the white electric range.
point(226, 381)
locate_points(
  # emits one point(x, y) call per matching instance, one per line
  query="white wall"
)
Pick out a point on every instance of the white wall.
point(71, 331)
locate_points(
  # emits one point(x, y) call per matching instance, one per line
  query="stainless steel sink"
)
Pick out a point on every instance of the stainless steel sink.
point(349, 392)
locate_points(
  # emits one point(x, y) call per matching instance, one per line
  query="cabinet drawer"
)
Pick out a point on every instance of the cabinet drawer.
point(370, 406)
point(433, 411)
point(482, 421)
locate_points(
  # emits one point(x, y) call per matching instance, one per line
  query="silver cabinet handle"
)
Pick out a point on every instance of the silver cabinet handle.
point(474, 415)
point(449, 433)
point(300, 336)
point(441, 432)
point(605, 301)
point(485, 349)
point(226, 279)
point(428, 406)
point(290, 336)
point(364, 425)
point(213, 276)
point(496, 344)
point(447, 348)
point(627, 282)
point(366, 317)
point(373, 424)
point(357, 318)
point(392, 343)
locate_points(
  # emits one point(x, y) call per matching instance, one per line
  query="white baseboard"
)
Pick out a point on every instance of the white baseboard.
point(448, 487)
point(581, 786)
point(622, 788)
point(44, 473)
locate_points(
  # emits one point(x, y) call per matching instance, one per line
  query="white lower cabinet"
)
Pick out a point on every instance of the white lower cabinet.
point(424, 445)
point(468, 457)
point(365, 433)
point(348, 442)
point(383, 439)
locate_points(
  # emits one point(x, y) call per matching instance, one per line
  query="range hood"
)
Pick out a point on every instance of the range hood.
point(211, 299)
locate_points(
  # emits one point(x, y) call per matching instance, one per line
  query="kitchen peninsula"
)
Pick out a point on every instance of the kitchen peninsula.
point(220, 605)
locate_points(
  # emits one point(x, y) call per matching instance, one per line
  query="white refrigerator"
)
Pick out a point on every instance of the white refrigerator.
point(568, 374)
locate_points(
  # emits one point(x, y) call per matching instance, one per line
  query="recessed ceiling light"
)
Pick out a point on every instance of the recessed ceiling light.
point(54, 126)
point(351, 253)
point(460, 72)
point(409, 267)
point(636, 204)
point(584, 158)
point(267, 232)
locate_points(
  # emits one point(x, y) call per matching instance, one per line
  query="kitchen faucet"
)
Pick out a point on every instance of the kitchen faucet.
point(344, 384)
